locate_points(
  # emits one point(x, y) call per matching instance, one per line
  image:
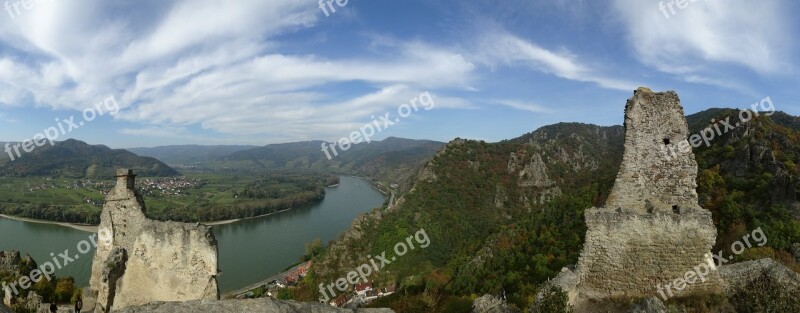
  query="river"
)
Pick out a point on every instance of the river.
point(249, 250)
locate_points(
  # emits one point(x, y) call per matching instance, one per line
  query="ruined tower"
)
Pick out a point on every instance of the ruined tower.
point(647, 181)
point(140, 261)
point(651, 231)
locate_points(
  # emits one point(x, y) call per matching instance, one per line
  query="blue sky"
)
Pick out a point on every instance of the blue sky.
point(260, 72)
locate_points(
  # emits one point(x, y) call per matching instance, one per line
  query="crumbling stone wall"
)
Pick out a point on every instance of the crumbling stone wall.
point(629, 254)
point(655, 122)
point(652, 230)
point(140, 261)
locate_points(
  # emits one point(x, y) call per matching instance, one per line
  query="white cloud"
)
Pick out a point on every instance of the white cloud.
point(752, 34)
point(211, 63)
point(498, 47)
point(523, 106)
point(174, 65)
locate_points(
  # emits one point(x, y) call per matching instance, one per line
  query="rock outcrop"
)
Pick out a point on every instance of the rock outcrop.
point(651, 230)
point(738, 276)
point(13, 262)
point(491, 304)
point(649, 305)
point(140, 261)
point(252, 305)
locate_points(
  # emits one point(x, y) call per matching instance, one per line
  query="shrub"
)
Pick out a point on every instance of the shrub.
point(553, 300)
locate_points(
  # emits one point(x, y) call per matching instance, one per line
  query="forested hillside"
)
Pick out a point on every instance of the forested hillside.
point(393, 160)
point(507, 216)
point(76, 159)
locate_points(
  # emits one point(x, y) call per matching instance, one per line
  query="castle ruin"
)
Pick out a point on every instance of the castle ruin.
point(140, 261)
point(651, 230)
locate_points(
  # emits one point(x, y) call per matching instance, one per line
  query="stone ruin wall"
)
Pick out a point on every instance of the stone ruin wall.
point(140, 261)
point(655, 123)
point(630, 255)
point(652, 230)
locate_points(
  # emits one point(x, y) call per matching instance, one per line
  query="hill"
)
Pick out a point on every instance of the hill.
point(189, 154)
point(507, 216)
point(393, 160)
point(77, 159)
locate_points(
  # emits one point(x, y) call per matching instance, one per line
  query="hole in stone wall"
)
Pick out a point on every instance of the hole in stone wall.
point(666, 141)
point(676, 209)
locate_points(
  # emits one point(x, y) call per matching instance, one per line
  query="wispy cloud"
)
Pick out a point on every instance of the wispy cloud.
point(695, 40)
point(498, 47)
point(213, 64)
point(523, 106)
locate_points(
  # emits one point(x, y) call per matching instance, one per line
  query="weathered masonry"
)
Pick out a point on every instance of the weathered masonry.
point(140, 261)
point(651, 230)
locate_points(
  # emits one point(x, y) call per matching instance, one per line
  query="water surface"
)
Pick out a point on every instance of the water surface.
point(249, 250)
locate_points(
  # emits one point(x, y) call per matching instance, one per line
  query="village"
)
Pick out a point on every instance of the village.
point(169, 185)
point(363, 293)
point(150, 186)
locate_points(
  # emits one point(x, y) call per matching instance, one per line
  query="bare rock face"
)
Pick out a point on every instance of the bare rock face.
point(649, 305)
point(13, 261)
point(140, 261)
point(491, 304)
point(652, 230)
point(739, 275)
point(268, 305)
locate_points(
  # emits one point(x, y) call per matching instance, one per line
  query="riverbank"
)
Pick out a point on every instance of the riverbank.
point(82, 227)
point(93, 228)
point(225, 222)
point(249, 251)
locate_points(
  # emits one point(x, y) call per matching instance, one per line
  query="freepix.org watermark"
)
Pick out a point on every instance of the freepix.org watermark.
point(701, 271)
point(59, 261)
point(718, 128)
point(668, 9)
point(62, 127)
point(380, 124)
point(365, 270)
point(326, 5)
point(13, 7)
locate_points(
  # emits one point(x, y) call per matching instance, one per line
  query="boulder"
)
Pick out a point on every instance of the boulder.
point(648, 305)
point(490, 304)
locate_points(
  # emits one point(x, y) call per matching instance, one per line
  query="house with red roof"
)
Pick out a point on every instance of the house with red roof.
point(363, 288)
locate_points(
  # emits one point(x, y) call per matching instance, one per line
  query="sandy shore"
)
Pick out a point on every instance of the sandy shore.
point(81, 227)
point(240, 219)
point(93, 228)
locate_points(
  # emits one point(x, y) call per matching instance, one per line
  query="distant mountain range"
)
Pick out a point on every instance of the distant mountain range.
point(77, 159)
point(189, 154)
point(393, 160)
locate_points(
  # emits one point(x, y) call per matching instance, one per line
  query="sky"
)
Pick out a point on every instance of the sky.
point(156, 72)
